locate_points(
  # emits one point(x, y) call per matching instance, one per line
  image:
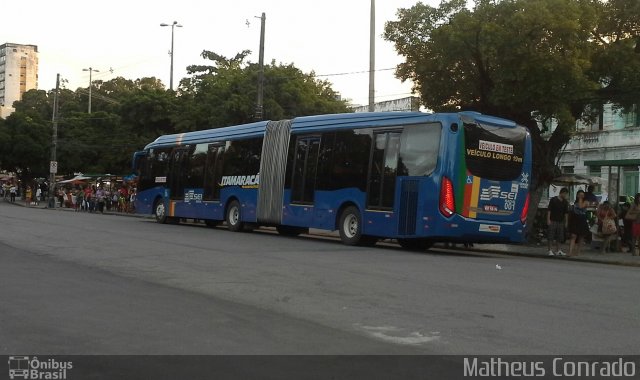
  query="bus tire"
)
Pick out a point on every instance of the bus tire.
point(415, 244)
point(232, 217)
point(160, 211)
point(350, 226)
point(291, 231)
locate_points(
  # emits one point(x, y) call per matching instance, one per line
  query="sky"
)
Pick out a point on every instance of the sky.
point(124, 38)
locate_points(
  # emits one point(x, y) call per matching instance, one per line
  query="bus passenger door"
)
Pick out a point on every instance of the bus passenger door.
point(383, 171)
point(303, 184)
point(381, 186)
point(177, 173)
point(213, 172)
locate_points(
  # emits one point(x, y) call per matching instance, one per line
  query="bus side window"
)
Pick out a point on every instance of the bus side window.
point(195, 178)
point(350, 160)
point(419, 149)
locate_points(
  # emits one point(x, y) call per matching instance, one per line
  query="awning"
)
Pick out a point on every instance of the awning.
point(577, 179)
point(76, 180)
point(630, 162)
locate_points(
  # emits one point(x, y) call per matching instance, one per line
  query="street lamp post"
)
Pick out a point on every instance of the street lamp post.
point(90, 70)
point(174, 24)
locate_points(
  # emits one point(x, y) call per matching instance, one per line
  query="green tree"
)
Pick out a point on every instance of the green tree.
point(525, 60)
point(25, 143)
point(225, 93)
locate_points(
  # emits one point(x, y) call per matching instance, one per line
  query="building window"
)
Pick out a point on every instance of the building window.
point(567, 170)
point(595, 171)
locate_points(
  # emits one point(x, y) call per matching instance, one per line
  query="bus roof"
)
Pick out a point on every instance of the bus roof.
point(308, 124)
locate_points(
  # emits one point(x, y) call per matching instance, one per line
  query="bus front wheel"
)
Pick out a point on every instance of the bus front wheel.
point(160, 211)
point(350, 226)
point(233, 217)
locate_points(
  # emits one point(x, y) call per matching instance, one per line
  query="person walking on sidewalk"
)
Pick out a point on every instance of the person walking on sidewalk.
point(634, 215)
point(557, 221)
point(12, 192)
point(607, 225)
point(578, 226)
point(38, 195)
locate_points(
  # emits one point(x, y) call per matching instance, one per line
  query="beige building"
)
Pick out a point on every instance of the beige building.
point(18, 74)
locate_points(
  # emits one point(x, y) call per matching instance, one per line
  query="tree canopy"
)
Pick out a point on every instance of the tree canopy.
point(526, 60)
point(128, 114)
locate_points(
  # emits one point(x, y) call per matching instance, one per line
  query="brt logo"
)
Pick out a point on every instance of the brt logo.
point(493, 192)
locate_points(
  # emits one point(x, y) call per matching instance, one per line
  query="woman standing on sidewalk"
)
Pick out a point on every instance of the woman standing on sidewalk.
point(27, 196)
point(634, 215)
point(607, 225)
point(578, 226)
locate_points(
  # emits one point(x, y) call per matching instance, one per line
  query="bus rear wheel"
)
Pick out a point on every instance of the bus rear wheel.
point(160, 212)
point(350, 228)
point(415, 244)
point(233, 217)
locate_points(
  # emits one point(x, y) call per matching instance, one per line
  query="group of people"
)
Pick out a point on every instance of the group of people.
point(9, 191)
point(563, 217)
point(97, 198)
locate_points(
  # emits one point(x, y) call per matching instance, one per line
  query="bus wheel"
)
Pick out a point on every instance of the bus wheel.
point(291, 231)
point(350, 226)
point(160, 212)
point(415, 244)
point(233, 217)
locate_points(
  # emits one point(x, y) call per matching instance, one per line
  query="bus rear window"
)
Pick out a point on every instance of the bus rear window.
point(494, 153)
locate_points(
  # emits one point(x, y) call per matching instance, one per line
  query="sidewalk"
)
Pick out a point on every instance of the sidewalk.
point(528, 250)
point(587, 254)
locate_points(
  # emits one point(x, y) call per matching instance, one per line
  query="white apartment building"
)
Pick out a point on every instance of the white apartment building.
point(18, 74)
point(608, 148)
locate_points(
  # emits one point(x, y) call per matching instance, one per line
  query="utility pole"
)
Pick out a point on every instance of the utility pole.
point(90, 70)
point(53, 165)
point(259, 108)
point(173, 26)
point(372, 56)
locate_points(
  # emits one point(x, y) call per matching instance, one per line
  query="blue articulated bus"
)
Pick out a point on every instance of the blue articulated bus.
point(416, 177)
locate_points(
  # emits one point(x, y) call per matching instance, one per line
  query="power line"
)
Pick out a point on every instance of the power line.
point(352, 72)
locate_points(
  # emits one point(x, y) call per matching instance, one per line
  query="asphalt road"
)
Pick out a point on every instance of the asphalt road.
point(77, 283)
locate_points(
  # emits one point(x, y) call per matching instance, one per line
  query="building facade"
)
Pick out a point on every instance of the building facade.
point(610, 149)
point(411, 103)
point(18, 74)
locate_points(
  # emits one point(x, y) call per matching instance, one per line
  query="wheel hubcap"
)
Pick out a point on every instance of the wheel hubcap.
point(160, 210)
point(351, 226)
point(234, 215)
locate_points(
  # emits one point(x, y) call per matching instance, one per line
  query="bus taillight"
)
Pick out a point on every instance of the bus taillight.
point(525, 210)
point(447, 202)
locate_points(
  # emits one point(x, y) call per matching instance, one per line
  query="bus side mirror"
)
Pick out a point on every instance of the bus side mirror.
point(137, 157)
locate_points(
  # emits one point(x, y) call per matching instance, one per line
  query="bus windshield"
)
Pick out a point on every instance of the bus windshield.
point(494, 153)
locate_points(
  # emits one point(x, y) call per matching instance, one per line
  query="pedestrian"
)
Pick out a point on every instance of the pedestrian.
point(578, 226)
point(627, 225)
point(607, 225)
point(590, 197)
point(38, 195)
point(100, 198)
point(79, 199)
point(634, 215)
point(557, 220)
point(27, 196)
point(12, 192)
